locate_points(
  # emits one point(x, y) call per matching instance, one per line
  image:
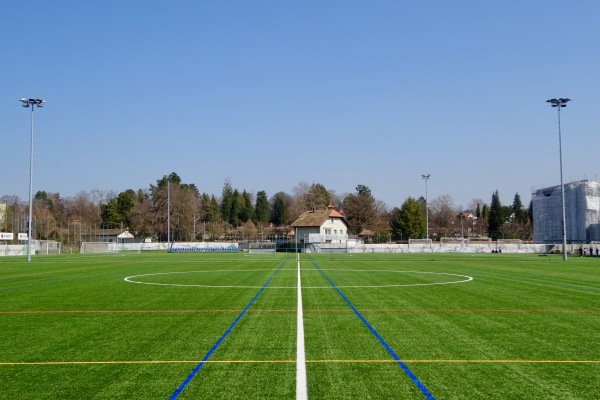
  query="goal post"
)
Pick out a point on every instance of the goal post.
point(49, 247)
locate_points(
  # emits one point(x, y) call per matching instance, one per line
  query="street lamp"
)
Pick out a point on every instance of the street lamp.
point(31, 103)
point(559, 103)
point(426, 177)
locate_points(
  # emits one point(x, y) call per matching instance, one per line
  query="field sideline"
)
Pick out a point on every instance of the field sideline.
point(375, 326)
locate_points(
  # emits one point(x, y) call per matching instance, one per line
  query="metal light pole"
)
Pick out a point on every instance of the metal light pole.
point(559, 103)
point(426, 177)
point(31, 103)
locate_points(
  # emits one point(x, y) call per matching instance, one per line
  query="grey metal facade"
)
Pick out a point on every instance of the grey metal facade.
point(582, 208)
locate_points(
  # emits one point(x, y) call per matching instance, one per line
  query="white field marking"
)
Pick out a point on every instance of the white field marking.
point(293, 361)
point(131, 279)
point(467, 278)
point(301, 390)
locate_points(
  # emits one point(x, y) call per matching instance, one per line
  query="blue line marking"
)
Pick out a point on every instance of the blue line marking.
point(379, 338)
point(218, 342)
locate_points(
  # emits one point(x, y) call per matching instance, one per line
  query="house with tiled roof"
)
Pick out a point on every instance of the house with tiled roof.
point(322, 226)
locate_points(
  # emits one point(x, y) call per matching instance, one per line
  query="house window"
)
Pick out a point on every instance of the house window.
point(335, 231)
point(328, 231)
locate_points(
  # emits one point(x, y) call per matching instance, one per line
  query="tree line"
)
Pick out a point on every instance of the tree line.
point(242, 215)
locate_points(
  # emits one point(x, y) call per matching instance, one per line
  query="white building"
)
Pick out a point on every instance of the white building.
point(322, 226)
point(582, 209)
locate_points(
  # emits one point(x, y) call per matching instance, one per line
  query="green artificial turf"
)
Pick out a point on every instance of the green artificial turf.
point(488, 326)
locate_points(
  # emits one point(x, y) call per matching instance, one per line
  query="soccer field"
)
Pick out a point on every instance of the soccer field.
point(375, 326)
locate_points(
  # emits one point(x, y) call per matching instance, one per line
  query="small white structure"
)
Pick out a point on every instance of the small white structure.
point(125, 237)
point(322, 226)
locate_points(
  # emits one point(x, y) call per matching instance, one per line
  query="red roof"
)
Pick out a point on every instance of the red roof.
point(317, 218)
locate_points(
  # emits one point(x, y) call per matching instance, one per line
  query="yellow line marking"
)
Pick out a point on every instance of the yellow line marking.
point(126, 362)
point(457, 361)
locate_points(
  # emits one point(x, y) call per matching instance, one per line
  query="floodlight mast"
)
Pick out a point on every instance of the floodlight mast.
point(39, 103)
point(426, 177)
point(559, 103)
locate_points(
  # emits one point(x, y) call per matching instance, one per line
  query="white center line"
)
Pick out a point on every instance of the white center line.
point(301, 391)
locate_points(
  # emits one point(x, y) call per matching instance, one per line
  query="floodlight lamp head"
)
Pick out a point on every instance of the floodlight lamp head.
point(560, 102)
point(32, 102)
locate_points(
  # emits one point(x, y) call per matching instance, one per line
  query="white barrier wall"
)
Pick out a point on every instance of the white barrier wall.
point(184, 247)
point(204, 247)
point(448, 248)
point(20, 250)
point(13, 250)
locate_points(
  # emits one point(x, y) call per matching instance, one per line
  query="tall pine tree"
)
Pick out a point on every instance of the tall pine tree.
point(279, 214)
point(227, 200)
point(496, 217)
point(517, 209)
point(261, 210)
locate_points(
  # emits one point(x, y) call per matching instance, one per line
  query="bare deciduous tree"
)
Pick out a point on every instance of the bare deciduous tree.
point(442, 214)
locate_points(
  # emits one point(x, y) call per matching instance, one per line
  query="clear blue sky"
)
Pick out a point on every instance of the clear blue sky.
point(272, 93)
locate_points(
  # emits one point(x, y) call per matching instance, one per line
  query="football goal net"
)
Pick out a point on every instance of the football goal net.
point(49, 247)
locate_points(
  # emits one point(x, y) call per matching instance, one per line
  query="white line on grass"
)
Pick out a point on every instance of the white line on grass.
point(133, 279)
point(301, 391)
point(386, 361)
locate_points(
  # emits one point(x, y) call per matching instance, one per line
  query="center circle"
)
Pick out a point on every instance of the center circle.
point(341, 278)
